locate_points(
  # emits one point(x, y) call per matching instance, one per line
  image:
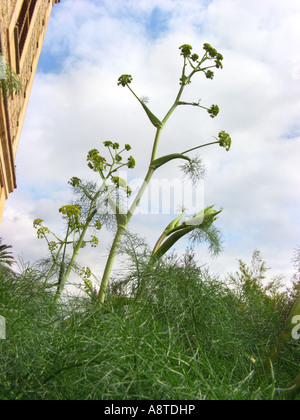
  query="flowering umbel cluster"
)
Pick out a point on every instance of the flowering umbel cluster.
point(124, 80)
point(213, 111)
point(225, 140)
point(211, 54)
point(42, 231)
point(70, 211)
point(98, 163)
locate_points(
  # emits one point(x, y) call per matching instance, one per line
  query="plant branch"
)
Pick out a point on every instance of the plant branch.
point(199, 147)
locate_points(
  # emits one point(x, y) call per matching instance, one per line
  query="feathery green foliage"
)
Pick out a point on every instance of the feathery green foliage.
point(192, 337)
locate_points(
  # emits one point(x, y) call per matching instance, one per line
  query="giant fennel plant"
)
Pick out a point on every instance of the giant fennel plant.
point(192, 64)
point(97, 199)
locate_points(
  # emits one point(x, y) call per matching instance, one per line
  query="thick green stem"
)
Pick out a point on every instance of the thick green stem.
point(109, 263)
point(159, 242)
point(172, 109)
point(155, 147)
point(140, 194)
point(153, 156)
point(121, 228)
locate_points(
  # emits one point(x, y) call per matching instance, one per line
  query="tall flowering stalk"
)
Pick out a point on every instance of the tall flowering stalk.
point(84, 215)
point(95, 200)
point(192, 64)
point(78, 220)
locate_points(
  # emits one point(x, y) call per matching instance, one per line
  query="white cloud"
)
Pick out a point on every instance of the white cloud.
point(74, 110)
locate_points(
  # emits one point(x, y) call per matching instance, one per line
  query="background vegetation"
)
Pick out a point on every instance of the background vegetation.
point(192, 336)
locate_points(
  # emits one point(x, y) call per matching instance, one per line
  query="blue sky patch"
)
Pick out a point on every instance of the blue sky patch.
point(50, 63)
point(293, 133)
point(157, 23)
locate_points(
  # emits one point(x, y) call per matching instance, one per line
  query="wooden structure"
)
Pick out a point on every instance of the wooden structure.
point(23, 25)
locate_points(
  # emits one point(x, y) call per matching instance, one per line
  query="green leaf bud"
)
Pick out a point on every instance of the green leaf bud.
point(174, 224)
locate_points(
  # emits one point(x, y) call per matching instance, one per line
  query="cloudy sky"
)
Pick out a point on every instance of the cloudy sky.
point(76, 104)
